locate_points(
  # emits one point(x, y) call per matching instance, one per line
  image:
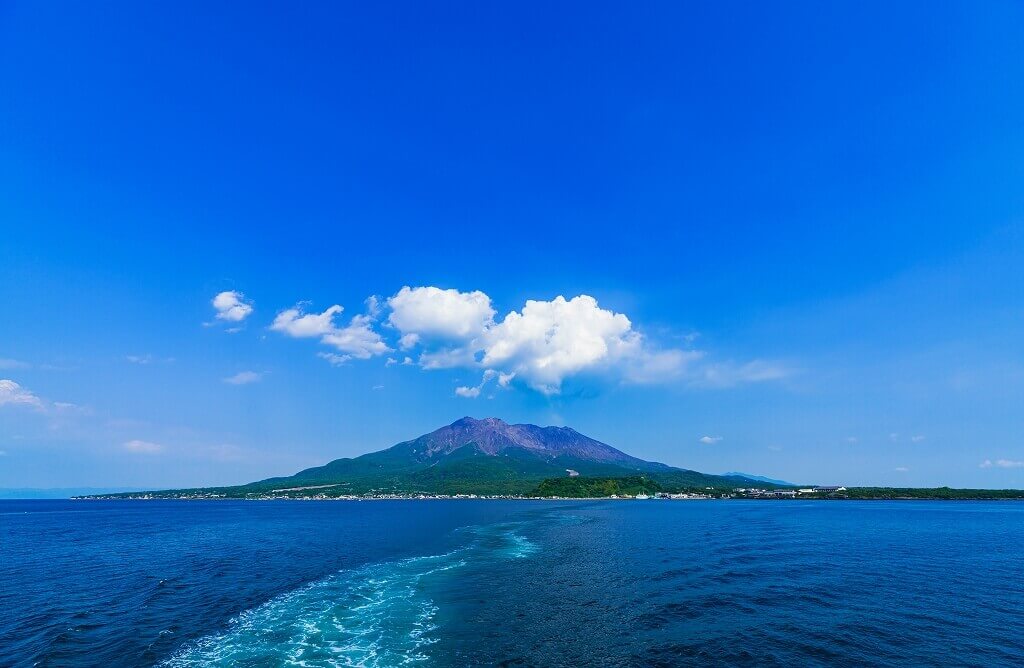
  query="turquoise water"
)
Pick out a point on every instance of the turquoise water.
point(456, 583)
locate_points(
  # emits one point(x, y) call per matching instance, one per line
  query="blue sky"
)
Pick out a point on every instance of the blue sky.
point(789, 237)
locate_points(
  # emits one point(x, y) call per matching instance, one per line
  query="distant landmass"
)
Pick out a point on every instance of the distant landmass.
point(470, 456)
point(60, 492)
point(491, 457)
point(759, 478)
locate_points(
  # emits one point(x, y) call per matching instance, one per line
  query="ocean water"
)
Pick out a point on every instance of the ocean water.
point(469, 583)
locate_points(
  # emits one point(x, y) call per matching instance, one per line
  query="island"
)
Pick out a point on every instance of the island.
point(490, 458)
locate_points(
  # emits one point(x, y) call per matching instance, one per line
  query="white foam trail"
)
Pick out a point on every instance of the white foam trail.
point(377, 615)
point(373, 616)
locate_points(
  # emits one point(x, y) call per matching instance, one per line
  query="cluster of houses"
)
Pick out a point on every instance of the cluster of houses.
point(788, 493)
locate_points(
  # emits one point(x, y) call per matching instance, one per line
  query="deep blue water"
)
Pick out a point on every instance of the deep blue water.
point(463, 583)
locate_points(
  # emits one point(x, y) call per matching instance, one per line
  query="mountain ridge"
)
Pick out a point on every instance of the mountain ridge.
point(470, 456)
point(759, 478)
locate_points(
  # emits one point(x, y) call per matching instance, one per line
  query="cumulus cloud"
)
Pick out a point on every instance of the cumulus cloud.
point(547, 342)
point(244, 378)
point(143, 447)
point(356, 339)
point(540, 346)
point(231, 306)
point(295, 323)
point(1002, 463)
point(710, 440)
point(13, 394)
point(447, 315)
point(468, 392)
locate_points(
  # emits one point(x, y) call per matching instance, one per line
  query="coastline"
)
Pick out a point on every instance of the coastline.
point(524, 498)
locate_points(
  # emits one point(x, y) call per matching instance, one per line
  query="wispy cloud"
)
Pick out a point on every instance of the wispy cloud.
point(730, 374)
point(244, 378)
point(901, 469)
point(334, 358)
point(143, 447)
point(148, 359)
point(1001, 463)
point(504, 379)
point(7, 363)
point(709, 440)
point(13, 394)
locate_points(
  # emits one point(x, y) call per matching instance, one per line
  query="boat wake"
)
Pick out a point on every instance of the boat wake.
point(376, 615)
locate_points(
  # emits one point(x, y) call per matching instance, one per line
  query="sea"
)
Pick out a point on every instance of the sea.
point(511, 583)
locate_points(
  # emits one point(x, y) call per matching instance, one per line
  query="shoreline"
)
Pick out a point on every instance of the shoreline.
point(512, 498)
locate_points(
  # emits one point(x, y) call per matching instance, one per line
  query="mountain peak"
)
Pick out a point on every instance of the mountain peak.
point(472, 421)
point(493, 436)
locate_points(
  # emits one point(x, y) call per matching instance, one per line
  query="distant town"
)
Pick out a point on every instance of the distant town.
point(307, 494)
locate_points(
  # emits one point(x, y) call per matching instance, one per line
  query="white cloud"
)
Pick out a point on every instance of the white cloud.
point(334, 358)
point(143, 447)
point(373, 307)
point(244, 378)
point(231, 306)
point(901, 469)
point(13, 394)
point(547, 342)
point(540, 346)
point(294, 322)
point(1002, 463)
point(489, 375)
point(448, 315)
point(357, 339)
point(449, 358)
point(6, 363)
point(917, 439)
point(710, 440)
point(148, 359)
point(408, 341)
point(660, 366)
point(725, 375)
point(68, 407)
point(552, 340)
